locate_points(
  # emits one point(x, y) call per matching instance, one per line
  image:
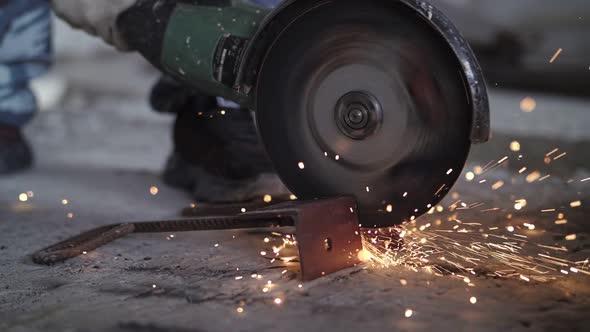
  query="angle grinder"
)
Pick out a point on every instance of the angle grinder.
point(375, 99)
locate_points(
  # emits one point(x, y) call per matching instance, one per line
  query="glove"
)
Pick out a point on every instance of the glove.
point(96, 17)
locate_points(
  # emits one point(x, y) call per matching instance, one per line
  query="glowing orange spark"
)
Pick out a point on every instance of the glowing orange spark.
point(557, 53)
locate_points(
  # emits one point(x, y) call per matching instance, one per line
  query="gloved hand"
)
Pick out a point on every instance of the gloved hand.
point(96, 17)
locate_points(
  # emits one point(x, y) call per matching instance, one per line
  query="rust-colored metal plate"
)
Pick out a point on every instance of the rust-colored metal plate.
point(327, 233)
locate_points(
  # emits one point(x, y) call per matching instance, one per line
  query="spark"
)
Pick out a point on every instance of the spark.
point(561, 221)
point(389, 208)
point(263, 253)
point(501, 161)
point(243, 210)
point(465, 250)
point(570, 237)
point(240, 310)
point(267, 198)
point(403, 282)
point(469, 176)
point(70, 215)
point(497, 185)
point(278, 301)
point(551, 152)
point(408, 313)
point(292, 197)
point(439, 190)
point(534, 176)
point(557, 53)
point(301, 165)
point(544, 178)
point(514, 146)
point(560, 156)
point(473, 300)
point(23, 197)
point(450, 171)
point(154, 190)
point(576, 204)
point(528, 104)
point(522, 170)
point(478, 170)
point(585, 180)
point(64, 201)
point(529, 226)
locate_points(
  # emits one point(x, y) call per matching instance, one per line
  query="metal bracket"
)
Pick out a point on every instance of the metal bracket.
point(327, 233)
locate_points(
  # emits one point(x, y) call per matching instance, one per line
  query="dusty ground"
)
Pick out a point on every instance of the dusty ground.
point(101, 149)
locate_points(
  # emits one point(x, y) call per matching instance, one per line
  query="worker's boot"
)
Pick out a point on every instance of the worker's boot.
point(217, 154)
point(15, 152)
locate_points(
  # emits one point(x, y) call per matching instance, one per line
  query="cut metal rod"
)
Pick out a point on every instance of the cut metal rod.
point(327, 233)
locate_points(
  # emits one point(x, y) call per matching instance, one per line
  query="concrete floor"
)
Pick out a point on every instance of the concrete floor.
point(101, 149)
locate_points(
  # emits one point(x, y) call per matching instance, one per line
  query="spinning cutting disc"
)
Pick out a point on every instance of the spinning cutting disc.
point(355, 98)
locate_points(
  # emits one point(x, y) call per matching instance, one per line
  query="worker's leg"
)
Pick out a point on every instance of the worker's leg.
point(217, 154)
point(25, 52)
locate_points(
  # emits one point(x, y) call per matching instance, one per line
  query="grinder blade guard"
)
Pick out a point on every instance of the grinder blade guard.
point(370, 99)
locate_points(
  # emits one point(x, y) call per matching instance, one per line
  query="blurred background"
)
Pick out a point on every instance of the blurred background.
point(515, 41)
